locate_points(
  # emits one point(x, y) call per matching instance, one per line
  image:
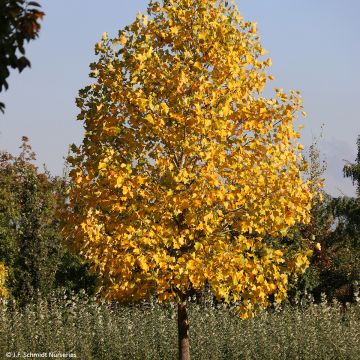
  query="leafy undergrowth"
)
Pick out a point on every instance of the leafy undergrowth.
point(94, 330)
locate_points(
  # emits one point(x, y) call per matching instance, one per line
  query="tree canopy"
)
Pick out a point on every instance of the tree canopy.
point(185, 168)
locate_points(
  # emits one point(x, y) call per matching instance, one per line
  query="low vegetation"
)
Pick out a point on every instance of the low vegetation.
point(93, 330)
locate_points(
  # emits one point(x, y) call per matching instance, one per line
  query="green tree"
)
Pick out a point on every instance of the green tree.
point(334, 268)
point(73, 274)
point(344, 244)
point(31, 244)
point(317, 232)
point(19, 23)
point(352, 170)
point(29, 199)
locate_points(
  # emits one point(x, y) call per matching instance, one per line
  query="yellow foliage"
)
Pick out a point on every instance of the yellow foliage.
point(3, 274)
point(199, 168)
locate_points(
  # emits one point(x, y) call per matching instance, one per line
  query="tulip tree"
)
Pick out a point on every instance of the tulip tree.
point(186, 171)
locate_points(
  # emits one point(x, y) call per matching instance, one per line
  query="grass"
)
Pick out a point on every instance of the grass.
point(99, 331)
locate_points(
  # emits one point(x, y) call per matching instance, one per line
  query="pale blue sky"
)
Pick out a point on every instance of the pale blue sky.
point(314, 45)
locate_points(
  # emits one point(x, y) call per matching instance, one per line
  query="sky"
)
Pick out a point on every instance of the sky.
point(314, 46)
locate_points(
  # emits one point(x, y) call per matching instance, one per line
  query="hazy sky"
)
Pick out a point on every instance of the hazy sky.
point(314, 45)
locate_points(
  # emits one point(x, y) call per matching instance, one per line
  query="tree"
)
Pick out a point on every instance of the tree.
point(316, 234)
point(352, 170)
point(350, 208)
point(335, 223)
point(19, 22)
point(344, 245)
point(31, 245)
point(73, 274)
point(30, 237)
point(185, 169)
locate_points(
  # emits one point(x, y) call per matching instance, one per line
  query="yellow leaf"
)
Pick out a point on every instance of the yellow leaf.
point(254, 28)
point(165, 107)
point(123, 40)
point(202, 35)
point(102, 165)
point(149, 118)
point(197, 64)
point(174, 30)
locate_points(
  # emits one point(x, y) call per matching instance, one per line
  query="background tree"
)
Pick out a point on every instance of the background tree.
point(19, 22)
point(334, 267)
point(317, 232)
point(31, 245)
point(34, 239)
point(186, 171)
point(344, 246)
point(352, 170)
point(73, 273)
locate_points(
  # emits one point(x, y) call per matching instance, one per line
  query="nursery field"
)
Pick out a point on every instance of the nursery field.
point(72, 326)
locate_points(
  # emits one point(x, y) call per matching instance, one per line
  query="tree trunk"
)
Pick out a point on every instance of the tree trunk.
point(183, 332)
